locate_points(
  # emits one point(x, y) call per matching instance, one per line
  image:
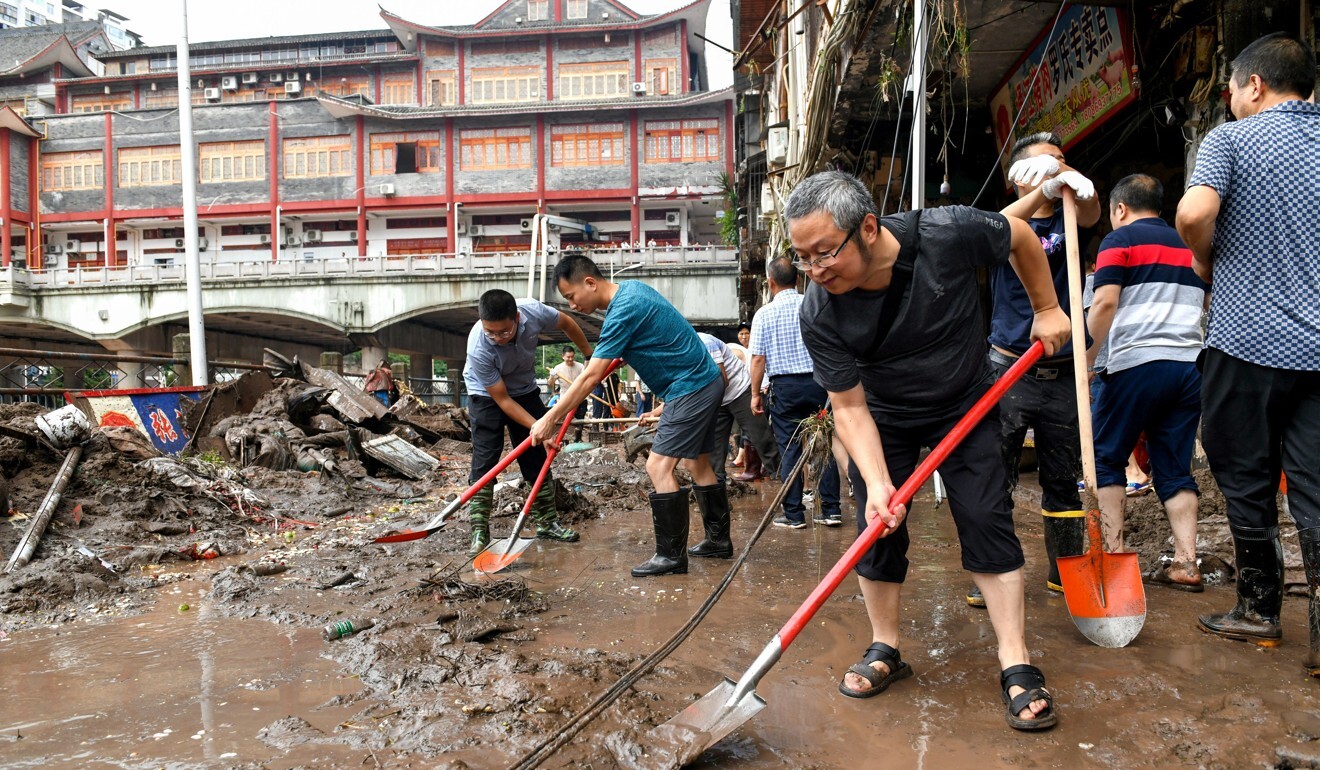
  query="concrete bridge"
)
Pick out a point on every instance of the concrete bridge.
point(420, 305)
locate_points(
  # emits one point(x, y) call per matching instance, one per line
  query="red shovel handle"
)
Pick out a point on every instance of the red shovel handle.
point(904, 494)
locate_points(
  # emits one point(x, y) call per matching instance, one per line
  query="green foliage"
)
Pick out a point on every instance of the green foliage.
point(729, 231)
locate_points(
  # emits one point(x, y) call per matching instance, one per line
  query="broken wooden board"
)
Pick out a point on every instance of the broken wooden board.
point(351, 402)
point(401, 456)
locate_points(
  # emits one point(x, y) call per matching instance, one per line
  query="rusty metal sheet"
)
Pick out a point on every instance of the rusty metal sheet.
point(401, 456)
point(352, 403)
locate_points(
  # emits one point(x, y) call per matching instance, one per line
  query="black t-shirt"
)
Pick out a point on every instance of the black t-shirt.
point(935, 354)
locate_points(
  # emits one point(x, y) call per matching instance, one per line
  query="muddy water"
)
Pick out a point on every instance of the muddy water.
point(106, 695)
point(168, 688)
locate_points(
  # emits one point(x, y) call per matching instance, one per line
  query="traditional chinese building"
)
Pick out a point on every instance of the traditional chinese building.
point(412, 139)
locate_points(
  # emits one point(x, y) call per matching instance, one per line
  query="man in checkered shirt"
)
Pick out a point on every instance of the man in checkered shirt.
point(777, 349)
point(1251, 218)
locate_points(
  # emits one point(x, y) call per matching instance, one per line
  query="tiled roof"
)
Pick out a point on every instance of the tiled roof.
point(336, 105)
point(20, 45)
point(271, 41)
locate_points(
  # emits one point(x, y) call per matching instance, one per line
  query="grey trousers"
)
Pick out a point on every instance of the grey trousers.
point(757, 427)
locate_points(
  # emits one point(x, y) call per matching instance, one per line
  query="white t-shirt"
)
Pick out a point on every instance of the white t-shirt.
point(739, 378)
point(566, 373)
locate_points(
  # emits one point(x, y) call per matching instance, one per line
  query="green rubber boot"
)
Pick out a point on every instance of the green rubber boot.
point(546, 515)
point(479, 519)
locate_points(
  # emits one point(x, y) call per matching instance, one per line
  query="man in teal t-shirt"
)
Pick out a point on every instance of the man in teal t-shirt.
point(642, 328)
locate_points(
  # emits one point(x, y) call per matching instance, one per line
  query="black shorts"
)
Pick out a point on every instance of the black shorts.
point(687, 425)
point(974, 477)
point(488, 425)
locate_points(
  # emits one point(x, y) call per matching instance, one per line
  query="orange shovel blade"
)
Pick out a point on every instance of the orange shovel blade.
point(1104, 593)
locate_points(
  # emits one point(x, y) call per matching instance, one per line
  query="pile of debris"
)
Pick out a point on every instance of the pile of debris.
point(271, 462)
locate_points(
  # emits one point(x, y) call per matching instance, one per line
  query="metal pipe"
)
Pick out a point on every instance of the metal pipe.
point(193, 260)
point(917, 83)
point(32, 536)
point(61, 356)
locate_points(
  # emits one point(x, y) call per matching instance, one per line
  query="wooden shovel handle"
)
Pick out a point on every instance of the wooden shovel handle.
point(1073, 251)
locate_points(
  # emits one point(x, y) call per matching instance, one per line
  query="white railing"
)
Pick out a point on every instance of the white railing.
point(610, 261)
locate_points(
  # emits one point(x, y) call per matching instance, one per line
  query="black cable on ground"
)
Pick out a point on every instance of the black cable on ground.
point(546, 748)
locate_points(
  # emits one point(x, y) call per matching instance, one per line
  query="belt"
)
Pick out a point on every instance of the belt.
point(1049, 370)
point(774, 377)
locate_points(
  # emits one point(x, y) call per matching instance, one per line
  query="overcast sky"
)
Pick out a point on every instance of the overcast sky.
point(158, 21)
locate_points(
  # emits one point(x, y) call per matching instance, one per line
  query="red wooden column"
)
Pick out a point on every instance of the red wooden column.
point(34, 202)
point(6, 205)
point(634, 129)
point(462, 72)
point(541, 160)
point(683, 86)
point(451, 218)
point(273, 169)
point(361, 187)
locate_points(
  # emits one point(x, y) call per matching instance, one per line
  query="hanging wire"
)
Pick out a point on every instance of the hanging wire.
point(1049, 40)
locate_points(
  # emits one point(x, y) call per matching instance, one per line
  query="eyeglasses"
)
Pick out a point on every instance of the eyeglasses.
point(826, 261)
point(498, 336)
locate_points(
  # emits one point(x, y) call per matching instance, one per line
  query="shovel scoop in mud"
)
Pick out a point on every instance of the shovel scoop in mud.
point(1103, 591)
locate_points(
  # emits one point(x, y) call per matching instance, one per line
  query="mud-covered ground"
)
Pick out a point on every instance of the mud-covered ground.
point(170, 660)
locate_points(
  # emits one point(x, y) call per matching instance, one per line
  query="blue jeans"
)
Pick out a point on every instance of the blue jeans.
point(794, 398)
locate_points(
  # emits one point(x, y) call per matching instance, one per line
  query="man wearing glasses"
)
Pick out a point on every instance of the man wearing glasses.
point(777, 350)
point(894, 327)
point(500, 375)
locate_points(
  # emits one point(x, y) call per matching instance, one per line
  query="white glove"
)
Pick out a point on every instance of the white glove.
point(1030, 172)
point(1053, 188)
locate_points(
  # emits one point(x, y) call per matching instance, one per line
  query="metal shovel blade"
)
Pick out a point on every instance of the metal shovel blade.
point(499, 555)
point(683, 739)
point(431, 527)
point(1104, 593)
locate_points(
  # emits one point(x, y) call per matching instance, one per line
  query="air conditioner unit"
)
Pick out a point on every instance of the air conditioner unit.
point(53, 248)
point(387, 188)
point(525, 225)
point(250, 78)
point(776, 145)
point(264, 238)
point(72, 246)
point(474, 230)
point(352, 236)
point(203, 244)
point(212, 94)
point(275, 77)
point(672, 219)
point(290, 76)
point(311, 235)
point(178, 243)
point(461, 228)
point(229, 82)
point(291, 240)
point(767, 198)
point(639, 88)
point(293, 87)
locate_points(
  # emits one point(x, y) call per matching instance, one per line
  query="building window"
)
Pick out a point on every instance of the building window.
point(345, 86)
point(317, 156)
point(398, 88)
point(161, 98)
point(538, 10)
point(410, 153)
point(61, 171)
point(661, 77)
point(150, 166)
point(595, 80)
point(233, 162)
point(590, 144)
point(441, 88)
point(492, 85)
point(682, 141)
point(577, 9)
point(495, 149)
point(100, 102)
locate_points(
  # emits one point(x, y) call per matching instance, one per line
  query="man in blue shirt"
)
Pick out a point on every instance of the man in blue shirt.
point(1044, 400)
point(500, 375)
point(642, 328)
point(1250, 217)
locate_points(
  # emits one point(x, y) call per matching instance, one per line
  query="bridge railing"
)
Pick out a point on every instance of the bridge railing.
point(614, 260)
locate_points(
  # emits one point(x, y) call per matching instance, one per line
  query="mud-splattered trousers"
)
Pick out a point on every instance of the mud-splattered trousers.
point(1045, 400)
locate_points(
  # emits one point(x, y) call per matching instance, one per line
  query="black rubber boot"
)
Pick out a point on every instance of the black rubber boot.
point(1310, 541)
point(714, 504)
point(669, 515)
point(1259, 557)
point(1065, 535)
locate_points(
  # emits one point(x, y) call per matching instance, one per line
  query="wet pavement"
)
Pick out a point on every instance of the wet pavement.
point(201, 689)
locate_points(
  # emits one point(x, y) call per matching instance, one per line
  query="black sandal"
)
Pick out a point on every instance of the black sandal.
point(1033, 681)
point(879, 682)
